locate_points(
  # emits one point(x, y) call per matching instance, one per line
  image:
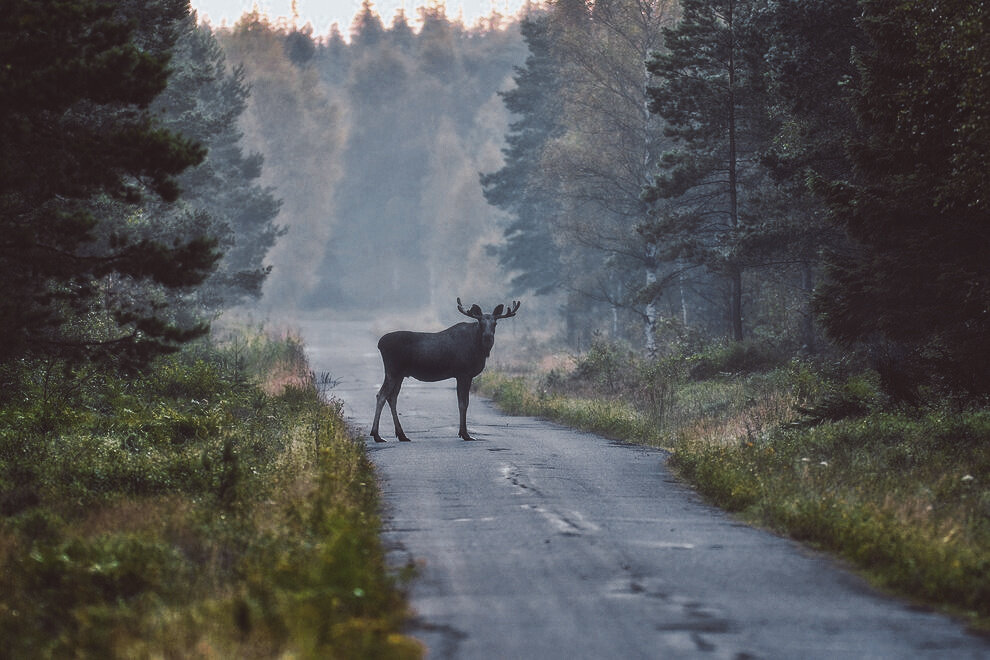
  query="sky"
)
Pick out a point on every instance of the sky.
point(323, 13)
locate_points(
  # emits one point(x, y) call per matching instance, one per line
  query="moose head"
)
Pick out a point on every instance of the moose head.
point(486, 322)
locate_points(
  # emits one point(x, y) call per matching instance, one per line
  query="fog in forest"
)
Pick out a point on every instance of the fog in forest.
point(576, 158)
point(375, 145)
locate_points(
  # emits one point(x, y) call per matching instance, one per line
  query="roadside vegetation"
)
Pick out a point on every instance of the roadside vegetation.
point(213, 505)
point(815, 448)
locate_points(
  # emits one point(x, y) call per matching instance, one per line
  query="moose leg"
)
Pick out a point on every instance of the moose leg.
point(393, 396)
point(380, 400)
point(463, 392)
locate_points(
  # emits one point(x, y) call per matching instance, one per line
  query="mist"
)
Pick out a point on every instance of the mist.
point(375, 148)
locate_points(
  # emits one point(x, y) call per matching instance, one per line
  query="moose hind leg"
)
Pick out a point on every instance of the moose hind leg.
point(393, 397)
point(380, 400)
point(463, 392)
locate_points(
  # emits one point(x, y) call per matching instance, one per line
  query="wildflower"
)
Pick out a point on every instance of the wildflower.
point(824, 463)
point(968, 479)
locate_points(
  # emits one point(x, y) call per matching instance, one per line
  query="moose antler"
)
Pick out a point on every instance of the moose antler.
point(475, 311)
point(498, 314)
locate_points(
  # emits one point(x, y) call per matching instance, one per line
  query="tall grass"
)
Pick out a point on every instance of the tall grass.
point(814, 450)
point(214, 506)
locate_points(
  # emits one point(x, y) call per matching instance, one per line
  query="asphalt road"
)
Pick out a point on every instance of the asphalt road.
point(542, 542)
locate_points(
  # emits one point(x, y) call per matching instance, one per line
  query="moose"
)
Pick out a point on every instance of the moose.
point(458, 352)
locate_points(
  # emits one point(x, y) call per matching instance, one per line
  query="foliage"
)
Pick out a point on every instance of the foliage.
point(518, 187)
point(605, 151)
point(211, 506)
point(81, 150)
point(204, 100)
point(606, 365)
point(709, 85)
point(375, 145)
point(740, 357)
point(915, 204)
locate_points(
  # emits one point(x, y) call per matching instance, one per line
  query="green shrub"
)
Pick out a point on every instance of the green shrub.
point(607, 365)
point(738, 357)
point(859, 395)
point(658, 382)
point(66, 597)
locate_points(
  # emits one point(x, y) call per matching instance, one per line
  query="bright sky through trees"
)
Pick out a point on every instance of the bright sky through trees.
point(323, 13)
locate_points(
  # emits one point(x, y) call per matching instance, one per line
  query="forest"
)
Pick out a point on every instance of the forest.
point(780, 173)
point(680, 191)
point(786, 173)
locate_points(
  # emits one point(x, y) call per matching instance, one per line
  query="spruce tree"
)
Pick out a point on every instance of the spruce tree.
point(519, 188)
point(916, 203)
point(204, 100)
point(77, 141)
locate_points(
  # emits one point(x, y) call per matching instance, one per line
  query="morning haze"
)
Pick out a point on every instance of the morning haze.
point(375, 147)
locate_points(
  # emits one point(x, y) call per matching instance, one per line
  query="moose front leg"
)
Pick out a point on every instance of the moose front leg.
point(463, 392)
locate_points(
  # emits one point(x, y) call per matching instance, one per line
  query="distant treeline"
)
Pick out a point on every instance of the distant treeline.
point(375, 144)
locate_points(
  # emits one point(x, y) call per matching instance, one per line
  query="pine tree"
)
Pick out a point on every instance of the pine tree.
point(809, 50)
point(709, 88)
point(203, 101)
point(78, 142)
point(367, 28)
point(529, 251)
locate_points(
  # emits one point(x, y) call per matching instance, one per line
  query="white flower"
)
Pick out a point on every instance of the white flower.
point(968, 479)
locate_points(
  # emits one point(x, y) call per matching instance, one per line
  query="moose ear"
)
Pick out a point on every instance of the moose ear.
point(498, 311)
point(476, 312)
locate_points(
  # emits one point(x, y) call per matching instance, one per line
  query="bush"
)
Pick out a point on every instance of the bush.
point(606, 365)
point(733, 358)
point(859, 395)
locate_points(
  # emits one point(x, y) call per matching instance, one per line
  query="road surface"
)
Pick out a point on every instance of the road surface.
point(542, 542)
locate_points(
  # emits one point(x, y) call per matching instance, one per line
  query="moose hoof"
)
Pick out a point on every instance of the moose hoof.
point(377, 437)
point(468, 438)
point(403, 438)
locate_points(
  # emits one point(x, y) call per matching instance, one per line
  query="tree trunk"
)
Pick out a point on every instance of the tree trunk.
point(735, 273)
point(807, 320)
point(651, 305)
point(735, 304)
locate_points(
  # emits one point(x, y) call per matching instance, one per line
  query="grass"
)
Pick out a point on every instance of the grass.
point(814, 451)
point(215, 506)
point(894, 493)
